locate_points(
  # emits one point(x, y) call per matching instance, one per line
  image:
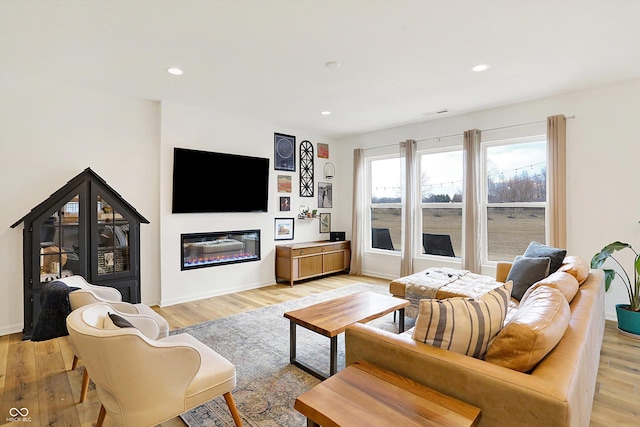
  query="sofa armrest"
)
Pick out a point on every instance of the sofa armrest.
point(499, 392)
point(502, 270)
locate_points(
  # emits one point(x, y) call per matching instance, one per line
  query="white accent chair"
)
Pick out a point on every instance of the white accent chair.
point(144, 382)
point(90, 294)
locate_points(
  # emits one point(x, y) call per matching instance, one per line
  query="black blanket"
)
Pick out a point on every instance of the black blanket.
point(52, 320)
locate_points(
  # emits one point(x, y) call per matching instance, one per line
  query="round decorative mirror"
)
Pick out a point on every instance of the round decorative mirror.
point(329, 170)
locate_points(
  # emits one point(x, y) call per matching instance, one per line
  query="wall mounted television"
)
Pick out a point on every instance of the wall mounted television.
point(205, 181)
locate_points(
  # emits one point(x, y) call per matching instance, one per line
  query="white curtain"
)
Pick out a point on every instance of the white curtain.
point(408, 158)
point(471, 259)
point(357, 230)
point(556, 181)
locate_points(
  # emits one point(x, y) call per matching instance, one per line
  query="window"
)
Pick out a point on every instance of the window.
point(516, 197)
point(441, 202)
point(385, 204)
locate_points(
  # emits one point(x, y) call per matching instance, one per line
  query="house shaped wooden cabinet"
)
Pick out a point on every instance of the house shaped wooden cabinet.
point(83, 228)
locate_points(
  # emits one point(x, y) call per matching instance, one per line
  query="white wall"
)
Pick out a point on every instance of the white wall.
point(603, 148)
point(190, 127)
point(49, 133)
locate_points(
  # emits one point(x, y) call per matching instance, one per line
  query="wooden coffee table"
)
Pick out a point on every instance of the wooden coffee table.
point(330, 318)
point(364, 395)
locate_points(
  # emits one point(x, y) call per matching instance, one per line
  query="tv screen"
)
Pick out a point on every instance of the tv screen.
point(205, 181)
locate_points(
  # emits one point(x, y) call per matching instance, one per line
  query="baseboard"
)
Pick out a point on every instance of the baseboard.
point(11, 329)
point(216, 293)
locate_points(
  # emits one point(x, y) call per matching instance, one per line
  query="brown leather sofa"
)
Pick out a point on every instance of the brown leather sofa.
point(558, 391)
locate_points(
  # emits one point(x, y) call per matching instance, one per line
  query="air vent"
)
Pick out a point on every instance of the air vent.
point(436, 113)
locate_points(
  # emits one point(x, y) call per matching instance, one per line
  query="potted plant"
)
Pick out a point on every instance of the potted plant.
point(628, 314)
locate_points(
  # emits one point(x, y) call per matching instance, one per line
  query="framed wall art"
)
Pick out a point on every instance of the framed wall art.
point(284, 184)
point(325, 195)
point(325, 222)
point(306, 169)
point(323, 151)
point(283, 229)
point(285, 204)
point(284, 152)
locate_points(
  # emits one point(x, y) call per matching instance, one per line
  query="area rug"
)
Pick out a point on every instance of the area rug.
point(257, 343)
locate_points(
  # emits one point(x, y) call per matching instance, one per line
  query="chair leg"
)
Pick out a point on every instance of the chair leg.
point(101, 416)
point(85, 385)
point(232, 407)
point(74, 364)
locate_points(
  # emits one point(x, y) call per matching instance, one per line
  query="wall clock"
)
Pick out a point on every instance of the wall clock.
point(306, 169)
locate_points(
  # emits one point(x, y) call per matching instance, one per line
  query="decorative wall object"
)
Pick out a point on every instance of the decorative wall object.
point(325, 195)
point(285, 152)
point(283, 229)
point(285, 204)
point(306, 169)
point(323, 151)
point(284, 184)
point(329, 170)
point(325, 222)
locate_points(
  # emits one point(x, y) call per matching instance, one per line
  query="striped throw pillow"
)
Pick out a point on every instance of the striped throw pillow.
point(463, 325)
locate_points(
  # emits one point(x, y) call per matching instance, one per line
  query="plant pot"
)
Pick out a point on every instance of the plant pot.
point(628, 321)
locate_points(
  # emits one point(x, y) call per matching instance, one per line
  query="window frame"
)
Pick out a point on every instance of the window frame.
point(369, 206)
point(420, 205)
point(485, 204)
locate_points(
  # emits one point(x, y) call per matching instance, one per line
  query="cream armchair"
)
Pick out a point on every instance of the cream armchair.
point(144, 382)
point(148, 325)
point(90, 294)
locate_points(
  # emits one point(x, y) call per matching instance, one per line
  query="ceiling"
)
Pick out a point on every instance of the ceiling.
point(265, 59)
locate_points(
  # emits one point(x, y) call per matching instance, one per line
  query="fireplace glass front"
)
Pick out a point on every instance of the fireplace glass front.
point(218, 248)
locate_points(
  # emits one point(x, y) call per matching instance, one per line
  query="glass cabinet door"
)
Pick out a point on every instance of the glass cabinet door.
point(59, 242)
point(112, 238)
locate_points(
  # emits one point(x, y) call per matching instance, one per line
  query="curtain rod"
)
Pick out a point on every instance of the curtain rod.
point(460, 134)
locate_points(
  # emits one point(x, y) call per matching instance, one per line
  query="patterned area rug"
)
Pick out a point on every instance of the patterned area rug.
point(257, 343)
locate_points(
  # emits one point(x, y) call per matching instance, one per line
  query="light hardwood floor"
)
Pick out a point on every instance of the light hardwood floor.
point(36, 376)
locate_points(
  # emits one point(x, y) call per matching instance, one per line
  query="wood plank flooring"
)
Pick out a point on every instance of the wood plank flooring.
point(37, 375)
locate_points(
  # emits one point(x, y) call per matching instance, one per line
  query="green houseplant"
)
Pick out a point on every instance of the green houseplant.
point(626, 312)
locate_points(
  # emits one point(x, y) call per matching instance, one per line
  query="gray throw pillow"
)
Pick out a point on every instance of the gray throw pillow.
point(120, 321)
point(526, 271)
point(536, 249)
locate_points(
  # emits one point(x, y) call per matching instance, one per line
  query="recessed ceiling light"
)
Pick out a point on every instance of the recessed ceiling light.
point(480, 67)
point(325, 113)
point(332, 64)
point(174, 71)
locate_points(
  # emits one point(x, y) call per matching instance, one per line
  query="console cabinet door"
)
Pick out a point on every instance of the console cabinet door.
point(310, 266)
point(333, 261)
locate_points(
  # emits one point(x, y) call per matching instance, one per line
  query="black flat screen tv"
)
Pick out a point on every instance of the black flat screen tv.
point(205, 181)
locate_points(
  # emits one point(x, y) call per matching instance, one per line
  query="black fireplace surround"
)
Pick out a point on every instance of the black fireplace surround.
point(201, 250)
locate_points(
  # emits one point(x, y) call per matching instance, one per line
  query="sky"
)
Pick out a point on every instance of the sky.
point(442, 171)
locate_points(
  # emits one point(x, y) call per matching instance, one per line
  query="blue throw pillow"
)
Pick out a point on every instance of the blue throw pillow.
point(556, 255)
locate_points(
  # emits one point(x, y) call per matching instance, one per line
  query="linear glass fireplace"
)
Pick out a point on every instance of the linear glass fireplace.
point(218, 248)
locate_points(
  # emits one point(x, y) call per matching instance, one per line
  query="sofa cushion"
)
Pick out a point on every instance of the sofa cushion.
point(463, 325)
point(525, 272)
point(564, 282)
point(536, 249)
point(575, 266)
point(533, 332)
